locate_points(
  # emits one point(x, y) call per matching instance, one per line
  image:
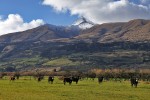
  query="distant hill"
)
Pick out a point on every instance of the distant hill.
point(109, 45)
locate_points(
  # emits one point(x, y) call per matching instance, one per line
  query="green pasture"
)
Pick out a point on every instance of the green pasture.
point(27, 88)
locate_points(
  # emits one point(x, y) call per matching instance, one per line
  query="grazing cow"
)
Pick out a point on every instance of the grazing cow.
point(69, 80)
point(75, 79)
point(134, 82)
point(40, 78)
point(1, 77)
point(12, 78)
point(100, 79)
point(50, 79)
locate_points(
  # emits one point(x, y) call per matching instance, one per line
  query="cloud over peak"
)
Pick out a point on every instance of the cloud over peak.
point(103, 11)
point(15, 23)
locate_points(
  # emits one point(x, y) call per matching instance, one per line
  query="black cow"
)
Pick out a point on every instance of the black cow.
point(12, 78)
point(75, 79)
point(69, 80)
point(134, 82)
point(39, 78)
point(50, 79)
point(100, 79)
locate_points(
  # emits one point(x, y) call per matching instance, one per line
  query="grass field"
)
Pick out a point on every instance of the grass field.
point(26, 89)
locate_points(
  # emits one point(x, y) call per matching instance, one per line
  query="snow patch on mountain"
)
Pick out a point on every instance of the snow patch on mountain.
point(83, 23)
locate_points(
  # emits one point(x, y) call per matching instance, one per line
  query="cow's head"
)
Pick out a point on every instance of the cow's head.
point(136, 79)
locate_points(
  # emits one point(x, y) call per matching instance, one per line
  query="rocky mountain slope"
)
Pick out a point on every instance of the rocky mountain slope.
point(109, 45)
point(133, 31)
point(42, 33)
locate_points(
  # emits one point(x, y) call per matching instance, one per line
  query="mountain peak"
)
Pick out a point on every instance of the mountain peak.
point(83, 23)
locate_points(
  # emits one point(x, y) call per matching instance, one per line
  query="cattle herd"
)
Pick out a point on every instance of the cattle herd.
point(133, 80)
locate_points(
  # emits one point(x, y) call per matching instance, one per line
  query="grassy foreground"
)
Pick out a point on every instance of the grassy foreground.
point(26, 89)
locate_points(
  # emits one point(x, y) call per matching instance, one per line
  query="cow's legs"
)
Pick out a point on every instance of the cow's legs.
point(76, 82)
point(70, 83)
point(64, 83)
point(135, 85)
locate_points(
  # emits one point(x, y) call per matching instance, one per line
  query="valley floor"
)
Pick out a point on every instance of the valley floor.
point(26, 89)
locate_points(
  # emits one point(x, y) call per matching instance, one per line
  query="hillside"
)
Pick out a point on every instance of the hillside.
point(42, 33)
point(109, 45)
point(133, 31)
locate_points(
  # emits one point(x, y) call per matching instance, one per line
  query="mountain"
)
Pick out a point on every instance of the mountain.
point(133, 31)
point(45, 33)
point(108, 45)
point(83, 23)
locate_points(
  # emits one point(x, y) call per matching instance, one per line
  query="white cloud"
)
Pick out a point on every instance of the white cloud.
point(15, 23)
point(145, 1)
point(102, 11)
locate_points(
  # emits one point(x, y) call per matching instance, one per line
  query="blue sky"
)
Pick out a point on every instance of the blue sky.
point(20, 15)
point(33, 9)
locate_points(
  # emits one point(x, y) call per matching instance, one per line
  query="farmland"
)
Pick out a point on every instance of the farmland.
point(26, 88)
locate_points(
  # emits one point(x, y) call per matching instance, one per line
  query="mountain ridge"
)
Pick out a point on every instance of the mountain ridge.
point(134, 30)
point(109, 45)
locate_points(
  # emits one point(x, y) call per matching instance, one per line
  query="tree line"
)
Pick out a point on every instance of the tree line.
point(108, 74)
